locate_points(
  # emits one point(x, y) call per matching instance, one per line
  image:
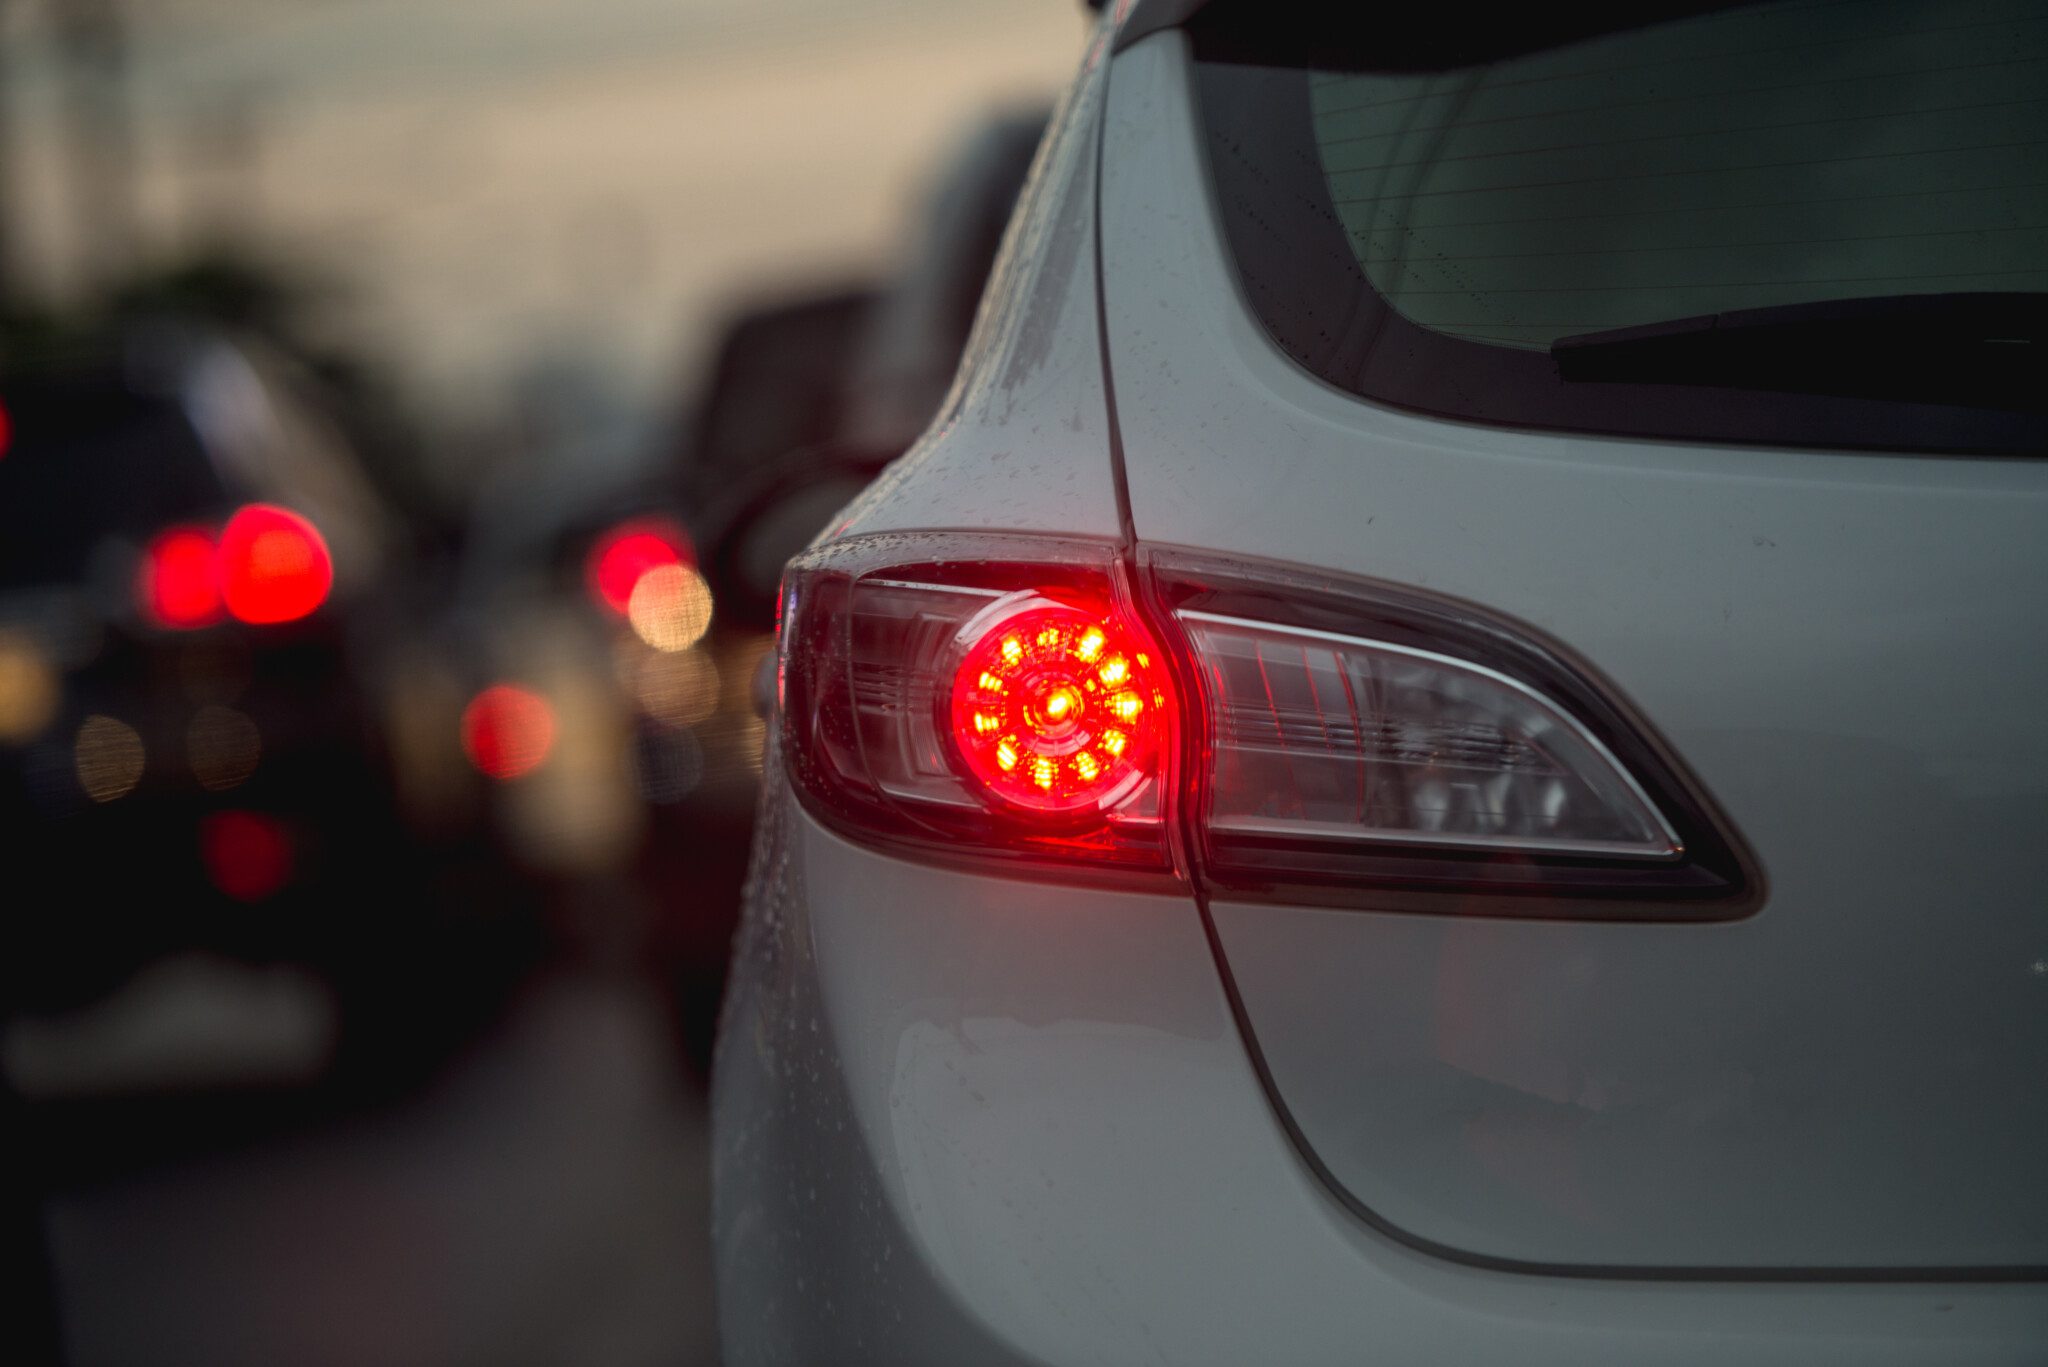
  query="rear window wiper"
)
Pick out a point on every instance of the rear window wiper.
point(1973, 350)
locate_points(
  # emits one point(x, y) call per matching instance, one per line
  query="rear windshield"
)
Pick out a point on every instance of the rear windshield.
point(1806, 224)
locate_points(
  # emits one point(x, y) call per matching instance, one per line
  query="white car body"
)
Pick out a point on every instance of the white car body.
point(965, 1114)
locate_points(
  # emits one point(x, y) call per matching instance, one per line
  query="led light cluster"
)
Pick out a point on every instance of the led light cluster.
point(1057, 708)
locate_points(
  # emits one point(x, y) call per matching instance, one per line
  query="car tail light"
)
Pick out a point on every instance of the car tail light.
point(1322, 737)
point(998, 707)
point(1056, 707)
point(1312, 738)
point(274, 565)
point(178, 586)
point(623, 556)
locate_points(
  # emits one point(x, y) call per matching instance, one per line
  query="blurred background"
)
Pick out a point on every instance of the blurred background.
point(405, 409)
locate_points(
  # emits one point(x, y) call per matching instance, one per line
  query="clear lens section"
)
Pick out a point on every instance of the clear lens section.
point(1323, 738)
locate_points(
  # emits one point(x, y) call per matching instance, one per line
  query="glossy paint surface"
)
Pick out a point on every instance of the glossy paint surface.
point(967, 1119)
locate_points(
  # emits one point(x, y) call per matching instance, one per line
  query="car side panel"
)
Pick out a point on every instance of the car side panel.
point(969, 1119)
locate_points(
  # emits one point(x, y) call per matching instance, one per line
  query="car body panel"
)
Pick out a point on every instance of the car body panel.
point(1022, 442)
point(964, 1118)
point(1848, 1079)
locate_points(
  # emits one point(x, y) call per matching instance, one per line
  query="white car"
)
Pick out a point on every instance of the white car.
point(1441, 756)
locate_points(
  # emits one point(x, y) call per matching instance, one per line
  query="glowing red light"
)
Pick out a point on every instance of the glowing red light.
point(274, 565)
point(6, 431)
point(178, 585)
point(507, 731)
point(247, 855)
point(630, 550)
point(1057, 708)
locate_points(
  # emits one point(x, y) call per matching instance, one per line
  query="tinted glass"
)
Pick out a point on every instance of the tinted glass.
point(1801, 223)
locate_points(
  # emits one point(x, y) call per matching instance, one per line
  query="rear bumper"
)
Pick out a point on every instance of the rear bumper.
point(966, 1119)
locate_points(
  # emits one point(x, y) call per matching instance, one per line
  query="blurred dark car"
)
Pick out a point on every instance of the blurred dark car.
point(194, 572)
point(586, 706)
point(602, 743)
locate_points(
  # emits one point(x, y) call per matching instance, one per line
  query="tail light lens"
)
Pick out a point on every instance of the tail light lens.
point(970, 707)
point(1056, 706)
point(1330, 738)
point(1327, 741)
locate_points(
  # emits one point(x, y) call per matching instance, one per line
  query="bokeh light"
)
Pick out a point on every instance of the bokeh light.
point(274, 565)
point(670, 608)
point(223, 747)
point(108, 757)
point(679, 689)
point(248, 855)
point(28, 688)
point(178, 584)
point(508, 731)
point(624, 555)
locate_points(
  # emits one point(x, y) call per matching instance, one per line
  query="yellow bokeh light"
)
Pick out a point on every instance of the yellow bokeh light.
point(1006, 754)
point(222, 746)
point(1115, 741)
point(670, 608)
point(1114, 671)
point(28, 688)
point(678, 689)
point(990, 682)
point(1013, 650)
point(108, 756)
point(1127, 706)
point(984, 723)
point(1059, 704)
point(1044, 771)
point(1089, 646)
point(1086, 766)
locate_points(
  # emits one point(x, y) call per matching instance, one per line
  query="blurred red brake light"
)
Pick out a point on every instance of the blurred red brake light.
point(628, 551)
point(178, 586)
point(274, 565)
point(507, 731)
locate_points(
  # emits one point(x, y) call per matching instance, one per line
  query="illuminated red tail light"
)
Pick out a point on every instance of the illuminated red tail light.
point(1008, 706)
point(274, 565)
point(979, 698)
point(1056, 708)
point(178, 585)
point(627, 552)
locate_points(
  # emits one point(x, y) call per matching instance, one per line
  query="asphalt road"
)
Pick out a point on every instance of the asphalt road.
point(545, 1201)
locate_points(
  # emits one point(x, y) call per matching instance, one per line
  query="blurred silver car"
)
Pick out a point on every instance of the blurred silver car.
point(1438, 758)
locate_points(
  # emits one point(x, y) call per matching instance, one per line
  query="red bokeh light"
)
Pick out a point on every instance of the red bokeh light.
point(629, 550)
point(6, 431)
point(507, 731)
point(178, 585)
point(247, 855)
point(1059, 709)
point(274, 565)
